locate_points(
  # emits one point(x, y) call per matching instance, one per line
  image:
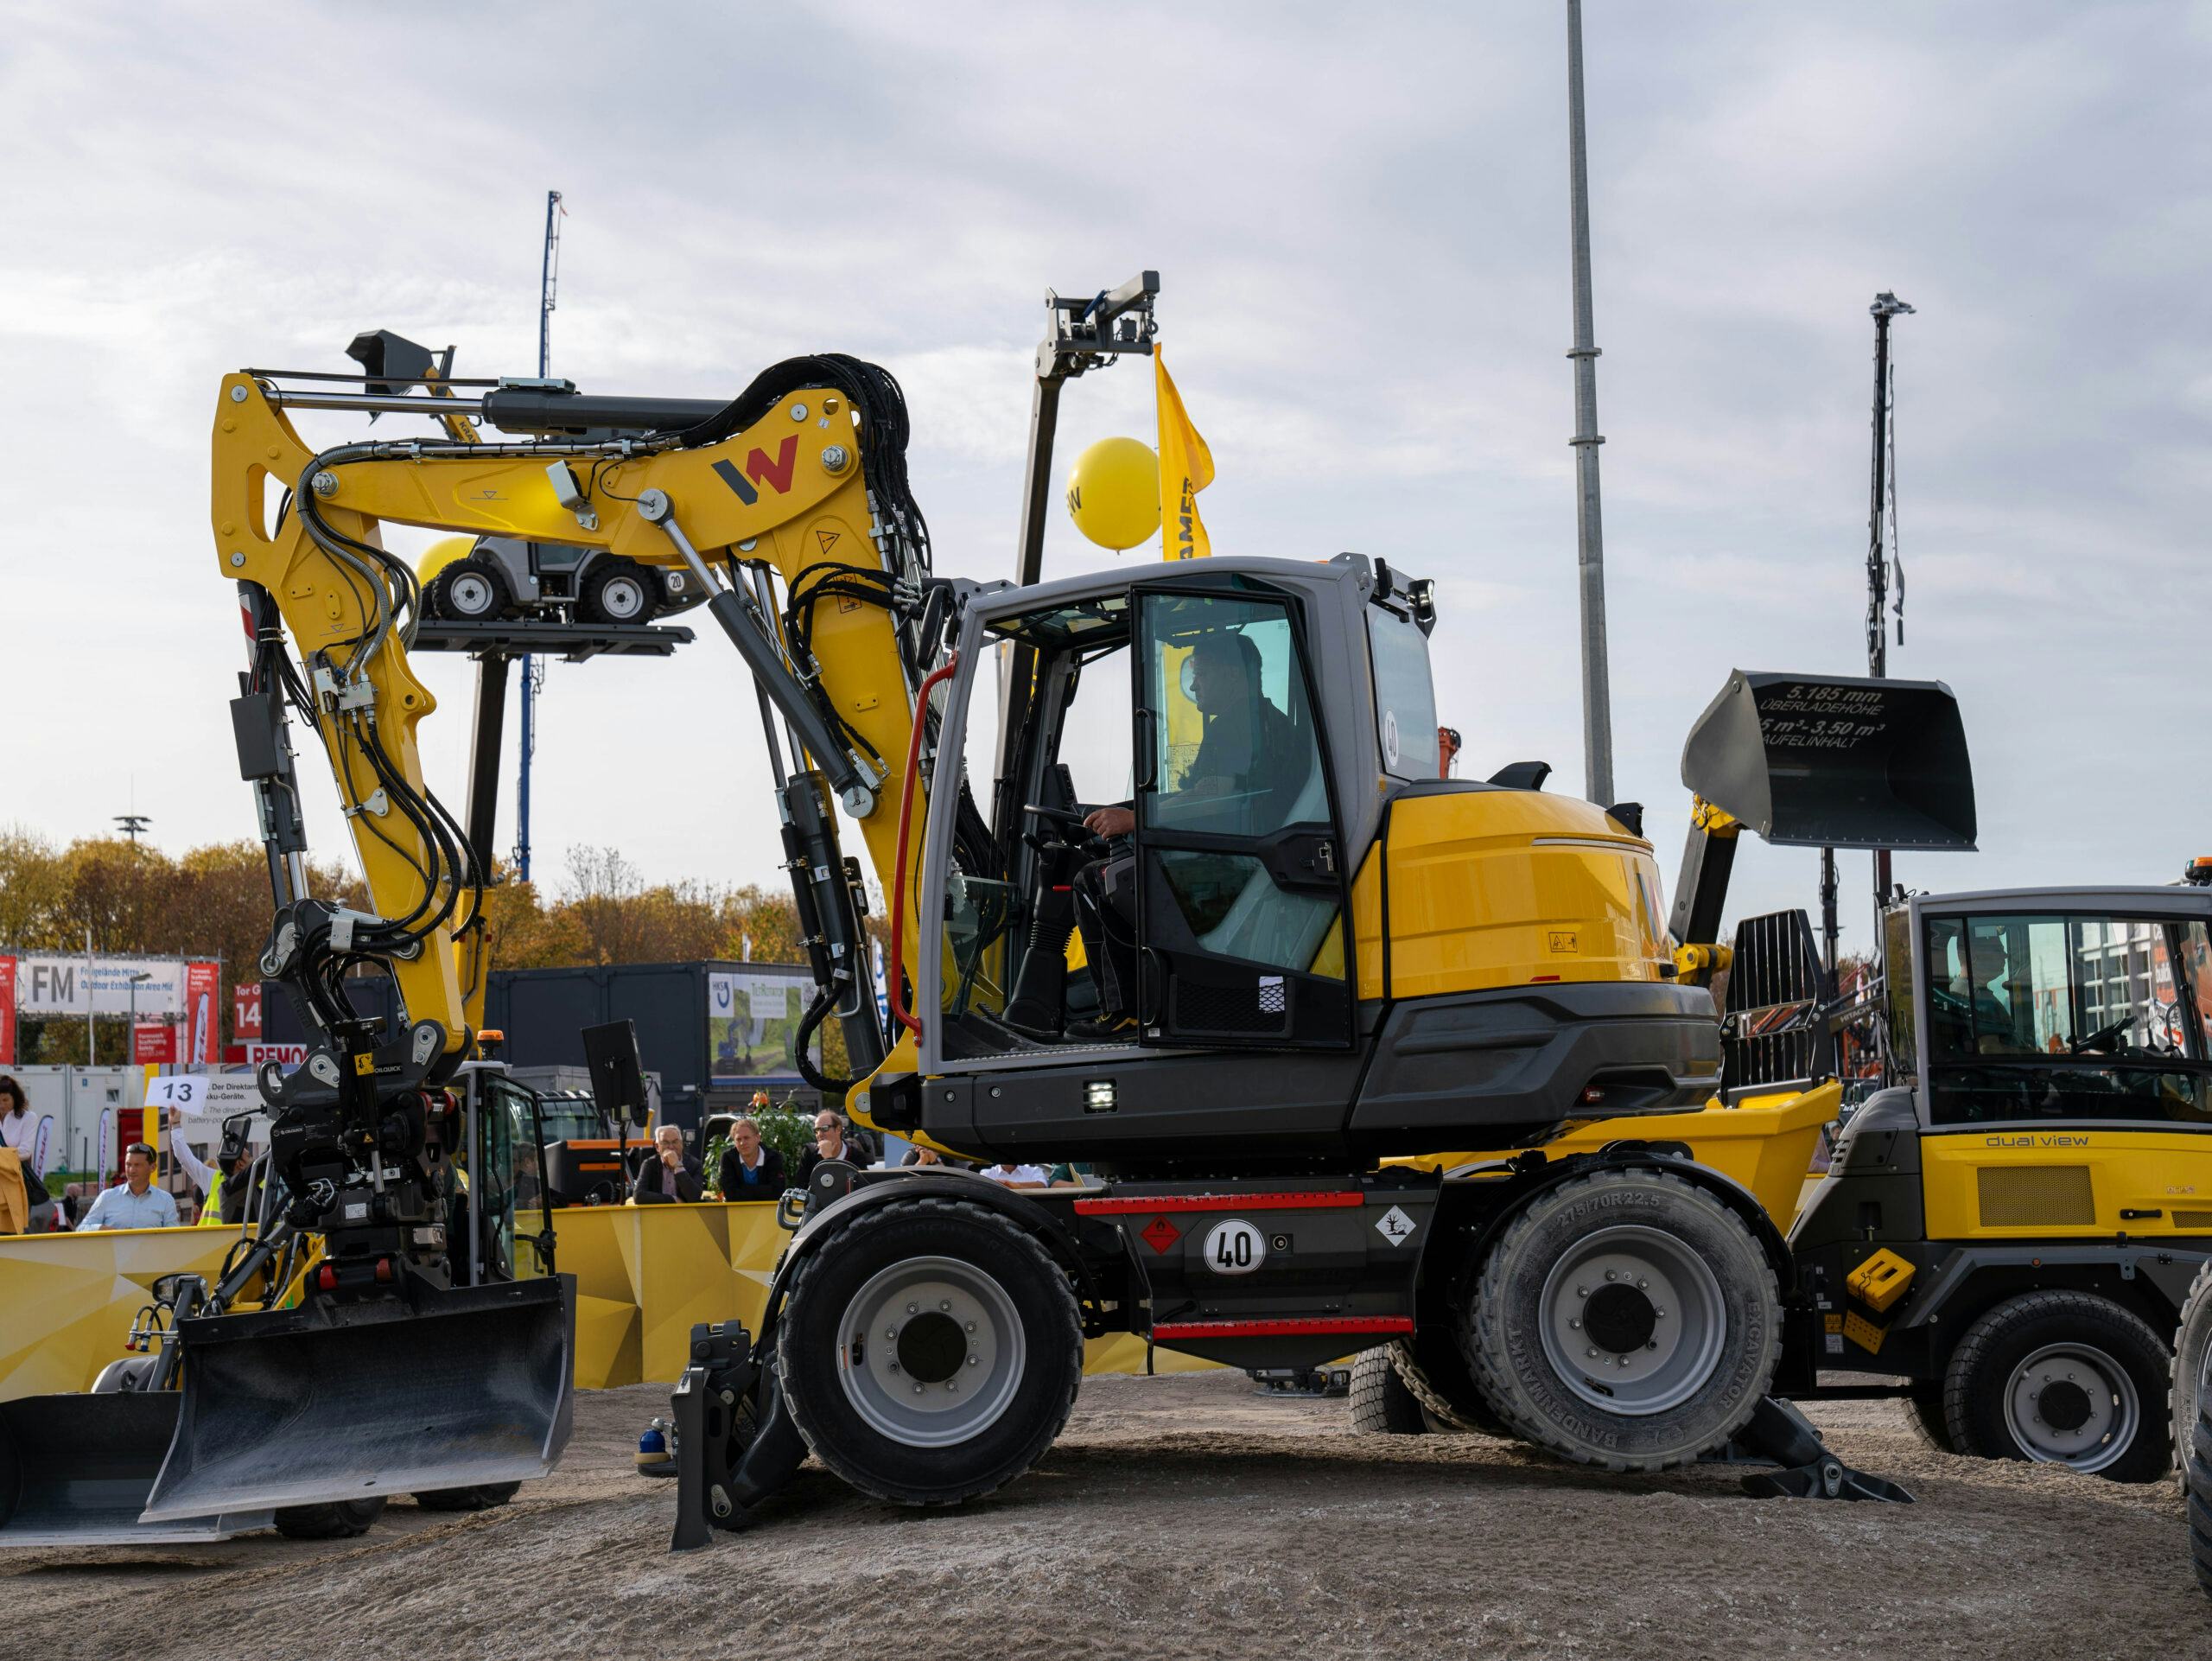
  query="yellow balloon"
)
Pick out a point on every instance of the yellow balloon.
point(1113, 493)
point(444, 551)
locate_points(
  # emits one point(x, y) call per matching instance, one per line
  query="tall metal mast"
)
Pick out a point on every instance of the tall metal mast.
point(533, 672)
point(1597, 691)
point(1886, 306)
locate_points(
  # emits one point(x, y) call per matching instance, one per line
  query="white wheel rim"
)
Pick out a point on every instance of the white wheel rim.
point(471, 595)
point(1668, 1304)
point(2072, 1404)
point(623, 598)
point(930, 1352)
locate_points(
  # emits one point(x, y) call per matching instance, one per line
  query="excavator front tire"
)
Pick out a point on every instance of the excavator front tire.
point(929, 1352)
point(483, 1497)
point(1625, 1319)
point(2192, 1401)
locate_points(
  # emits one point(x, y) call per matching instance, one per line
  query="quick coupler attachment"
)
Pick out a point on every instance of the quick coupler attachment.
point(735, 1444)
point(1778, 1431)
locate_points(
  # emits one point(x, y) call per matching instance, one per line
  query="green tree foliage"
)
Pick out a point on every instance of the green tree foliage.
point(213, 902)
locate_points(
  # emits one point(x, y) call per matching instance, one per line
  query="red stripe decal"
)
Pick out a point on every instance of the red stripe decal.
point(1119, 1204)
point(1282, 1328)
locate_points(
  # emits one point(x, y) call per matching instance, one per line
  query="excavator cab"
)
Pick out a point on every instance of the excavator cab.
point(1186, 714)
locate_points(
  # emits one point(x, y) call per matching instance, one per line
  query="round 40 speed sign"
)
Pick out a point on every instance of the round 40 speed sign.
point(1234, 1247)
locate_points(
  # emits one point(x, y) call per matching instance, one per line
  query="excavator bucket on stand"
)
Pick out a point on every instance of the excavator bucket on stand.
point(1836, 763)
point(75, 1471)
point(443, 1389)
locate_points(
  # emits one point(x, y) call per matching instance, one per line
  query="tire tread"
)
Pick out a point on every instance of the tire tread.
point(1965, 1388)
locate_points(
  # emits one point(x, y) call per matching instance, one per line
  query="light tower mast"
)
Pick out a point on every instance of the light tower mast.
point(533, 672)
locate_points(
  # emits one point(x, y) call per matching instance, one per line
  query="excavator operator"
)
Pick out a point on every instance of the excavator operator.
point(1249, 765)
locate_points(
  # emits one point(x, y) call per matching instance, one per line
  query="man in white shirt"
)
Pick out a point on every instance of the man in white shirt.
point(135, 1202)
point(1019, 1176)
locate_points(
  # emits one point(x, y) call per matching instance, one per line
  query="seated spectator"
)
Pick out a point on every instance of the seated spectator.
point(135, 1202)
point(833, 1139)
point(750, 1169)
point(672, 1176)
point(1009, 1175)
point(1067, 1175)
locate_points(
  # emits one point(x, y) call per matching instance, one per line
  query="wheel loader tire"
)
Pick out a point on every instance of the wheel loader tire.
point(483, 1497)
point(1434, 1368)
point(340, 1519)
point(2064, 1378)
point(929, 1352)
point(1626, 1319)
point(1381, 1404)
point(1924, 1407)
point(2192, 1355)
point(2192, 1404)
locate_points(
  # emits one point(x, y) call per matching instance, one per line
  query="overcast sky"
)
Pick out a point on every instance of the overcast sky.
point(1360, 221)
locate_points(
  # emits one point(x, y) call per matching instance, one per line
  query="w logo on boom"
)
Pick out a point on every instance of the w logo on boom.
point(758, 469)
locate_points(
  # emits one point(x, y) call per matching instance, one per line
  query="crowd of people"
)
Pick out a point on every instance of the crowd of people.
point(748, 1169)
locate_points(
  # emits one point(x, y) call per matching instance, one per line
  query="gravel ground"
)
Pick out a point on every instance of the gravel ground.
point(1188, 1518)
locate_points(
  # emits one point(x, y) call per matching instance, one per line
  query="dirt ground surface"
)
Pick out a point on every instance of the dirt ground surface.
point(1189, 1517)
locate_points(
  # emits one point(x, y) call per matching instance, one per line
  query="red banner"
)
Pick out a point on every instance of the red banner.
point(203, 993)
point(7, 1012)
point(153, 1040)
point(245, 1011)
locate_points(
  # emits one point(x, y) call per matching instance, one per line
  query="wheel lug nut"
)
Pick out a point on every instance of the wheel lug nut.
point(1641, 1284)
point(1591, 1351)
point(945, 1304)
point(973, 1360)
point(971, 1326)
point(1576, 1325)
point(1611, 1275)
point(1652, 1345)
point(913, 1308)
point(891, 1331)
point(1582, 1291)
point(952, 1385)
point(917, 1390)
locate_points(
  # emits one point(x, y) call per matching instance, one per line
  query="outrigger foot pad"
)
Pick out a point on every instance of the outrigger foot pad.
point(735, 1444)
point(1779, 1432)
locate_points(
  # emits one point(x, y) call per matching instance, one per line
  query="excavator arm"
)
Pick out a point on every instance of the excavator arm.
point(789, 505)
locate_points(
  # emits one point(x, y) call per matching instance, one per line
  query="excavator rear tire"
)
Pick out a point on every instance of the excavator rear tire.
point(340, 1519)
point(965, 1347)
point(1626, 1319)
point(1380, 1404)
point(483, 1497)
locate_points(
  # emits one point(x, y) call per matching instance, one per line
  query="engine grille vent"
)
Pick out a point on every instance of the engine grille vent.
point(2037, 1196)
point(2195, 1221)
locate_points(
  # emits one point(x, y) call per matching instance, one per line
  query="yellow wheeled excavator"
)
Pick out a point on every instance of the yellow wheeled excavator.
point(1304, 954)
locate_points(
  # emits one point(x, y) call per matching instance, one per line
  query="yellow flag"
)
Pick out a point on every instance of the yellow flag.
point(1185, 468)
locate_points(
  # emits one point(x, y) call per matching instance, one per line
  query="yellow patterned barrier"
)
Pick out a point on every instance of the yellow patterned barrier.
point(644, 1274)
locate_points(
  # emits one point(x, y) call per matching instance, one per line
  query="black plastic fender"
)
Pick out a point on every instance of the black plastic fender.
point(873, 1188)
point(1531, 1179)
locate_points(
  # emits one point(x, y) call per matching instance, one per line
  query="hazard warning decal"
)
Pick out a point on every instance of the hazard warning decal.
point(1395, 1227)
point(1159, 1234)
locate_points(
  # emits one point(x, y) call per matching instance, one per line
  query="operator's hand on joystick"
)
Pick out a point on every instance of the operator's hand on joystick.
point(1110, 821)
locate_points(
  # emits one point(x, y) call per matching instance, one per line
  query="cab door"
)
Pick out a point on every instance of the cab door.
point(1241, 897)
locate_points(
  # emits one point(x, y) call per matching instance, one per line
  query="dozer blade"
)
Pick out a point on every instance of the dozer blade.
point(331, 1401)
point(75, 1471)
point(1807, 761)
